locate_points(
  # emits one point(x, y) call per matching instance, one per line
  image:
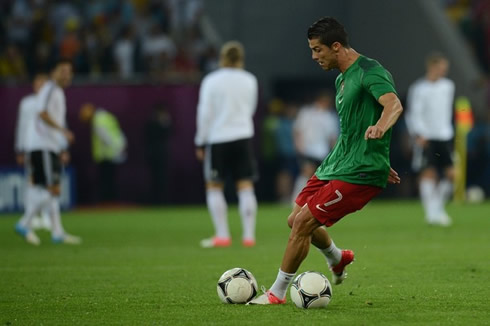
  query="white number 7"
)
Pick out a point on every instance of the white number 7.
point(333, 201)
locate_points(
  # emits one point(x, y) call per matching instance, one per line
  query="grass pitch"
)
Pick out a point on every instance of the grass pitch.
point(145, 267)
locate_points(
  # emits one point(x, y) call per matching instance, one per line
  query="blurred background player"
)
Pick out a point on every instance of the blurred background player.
point(108, 148)
point(48, 140)
point(227, 103)
point(315, 132)
point(27, 114)
point(429, 121)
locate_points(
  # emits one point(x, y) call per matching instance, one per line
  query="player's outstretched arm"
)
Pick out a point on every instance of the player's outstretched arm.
point(392, 109)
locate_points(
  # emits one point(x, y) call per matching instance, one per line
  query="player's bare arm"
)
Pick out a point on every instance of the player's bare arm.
point(392, 109)
point(200, 153)
point(50, 122)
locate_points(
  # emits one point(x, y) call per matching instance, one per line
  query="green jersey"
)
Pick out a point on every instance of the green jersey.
point(354, 159)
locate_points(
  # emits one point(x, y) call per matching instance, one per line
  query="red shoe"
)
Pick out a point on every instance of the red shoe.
point(215, 242)
point(267, 298)
point(338, 271)
point(248, 243)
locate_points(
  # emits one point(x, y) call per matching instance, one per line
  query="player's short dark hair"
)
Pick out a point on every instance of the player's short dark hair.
point(434, 58)
point(61, 61)
point(328, 30)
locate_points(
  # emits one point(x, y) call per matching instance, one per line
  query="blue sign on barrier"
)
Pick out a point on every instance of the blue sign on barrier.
point(13, 182)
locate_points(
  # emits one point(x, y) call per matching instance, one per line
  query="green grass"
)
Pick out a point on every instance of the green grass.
point(144, 267)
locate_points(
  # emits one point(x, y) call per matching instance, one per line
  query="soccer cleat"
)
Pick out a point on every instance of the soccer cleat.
point(338, 271)
point(267, 298)
point(248, 243)
point(28, 235)
point(215, 242)
point(443, 220)
point(67, 239)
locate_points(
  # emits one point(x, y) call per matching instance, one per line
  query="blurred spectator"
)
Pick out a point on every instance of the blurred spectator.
point(479, 156)
point(269, 150)
point(209, 60)
point(157, 133)
point(479, 150)
point(63, 13)
point(125, 53)
point(183, 65)
point(315, 132)
point(473, 18)
point(19, 22)
point(158, 50)
point(184, 15)
point(108, 147)
point(70, 43)
point(288, 166)
point(12, 66)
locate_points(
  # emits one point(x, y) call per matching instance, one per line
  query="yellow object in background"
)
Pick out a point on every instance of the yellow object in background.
point(464, 122)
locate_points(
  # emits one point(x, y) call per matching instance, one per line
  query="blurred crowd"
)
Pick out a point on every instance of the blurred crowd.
point(473, 19)
point(120, 39)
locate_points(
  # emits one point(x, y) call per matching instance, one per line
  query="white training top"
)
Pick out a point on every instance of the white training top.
point(430, 109)
point(41, 136)
point(316, 129)
point(227, 103)
point(26, 115)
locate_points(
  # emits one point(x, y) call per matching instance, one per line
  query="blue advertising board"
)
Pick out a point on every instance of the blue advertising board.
point(13, 182)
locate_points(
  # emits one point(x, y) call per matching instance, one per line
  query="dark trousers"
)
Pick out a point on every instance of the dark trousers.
point(107, 181)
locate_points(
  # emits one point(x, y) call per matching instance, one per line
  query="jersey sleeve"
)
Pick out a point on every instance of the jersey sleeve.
point(20, 128)
point(204, 112)
point(378, 81)
point(255, 94)
point(415, 110)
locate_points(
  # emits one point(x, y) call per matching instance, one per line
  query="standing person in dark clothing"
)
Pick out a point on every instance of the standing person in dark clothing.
point(157, 133)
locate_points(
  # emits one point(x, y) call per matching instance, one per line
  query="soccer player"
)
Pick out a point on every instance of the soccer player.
point(315, 132)
point(227, 103)
point(26, 115)
point(357, 168)
point(48, 139)
point(429, 121)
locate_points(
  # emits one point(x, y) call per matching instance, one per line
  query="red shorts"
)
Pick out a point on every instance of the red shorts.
point(330, 200)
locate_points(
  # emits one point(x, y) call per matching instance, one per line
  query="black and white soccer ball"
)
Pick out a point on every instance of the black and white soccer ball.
point(311, 290)
point(237, 285)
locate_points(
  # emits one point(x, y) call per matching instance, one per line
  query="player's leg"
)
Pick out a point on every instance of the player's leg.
point(320, 238)
point(330, 201)
point(335, 257)
point(247, 206)
point(214, 169)
point(36, 196)
point(218, 209)
point(45, 220)
point(296, 251)
point(306, 171)
point(53, 181)
point(241, 160)
point(445, 185)
point(428, 194)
